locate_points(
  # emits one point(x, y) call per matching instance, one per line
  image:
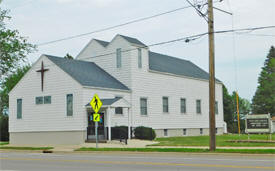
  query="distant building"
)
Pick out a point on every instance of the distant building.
point(50, 104)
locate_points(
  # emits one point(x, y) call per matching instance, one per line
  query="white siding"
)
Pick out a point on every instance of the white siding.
point(108, 62)
point(46, 117)
point(154, 86)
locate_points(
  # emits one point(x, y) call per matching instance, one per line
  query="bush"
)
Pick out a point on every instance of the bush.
point(144, 133)
point(4, 128)
point(119, 132)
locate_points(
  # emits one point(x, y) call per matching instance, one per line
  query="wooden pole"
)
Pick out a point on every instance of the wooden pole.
point(212, 123)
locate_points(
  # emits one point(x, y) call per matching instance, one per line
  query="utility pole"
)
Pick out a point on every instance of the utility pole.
point(212, 122)
point(238, 114)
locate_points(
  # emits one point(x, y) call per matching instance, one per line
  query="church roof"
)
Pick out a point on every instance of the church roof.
point(103, 43)
point(172, 65)
point(87, 73)
point(132, 40)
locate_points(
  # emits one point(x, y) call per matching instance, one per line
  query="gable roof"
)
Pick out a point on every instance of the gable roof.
point(103, 43)
point(169, 64)
point(132, 40)
point(87, 73)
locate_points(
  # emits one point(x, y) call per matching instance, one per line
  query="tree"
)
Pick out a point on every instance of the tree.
point(264, 99)
point(13, 47)
point(230, 111)
point(68, 56)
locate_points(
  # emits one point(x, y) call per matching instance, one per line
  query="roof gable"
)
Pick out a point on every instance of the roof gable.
point(132, 40)
point(169, 64)
point(87, 73)
point(103, 43)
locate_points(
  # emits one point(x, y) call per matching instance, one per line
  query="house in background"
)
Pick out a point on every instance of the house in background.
point(137, 87)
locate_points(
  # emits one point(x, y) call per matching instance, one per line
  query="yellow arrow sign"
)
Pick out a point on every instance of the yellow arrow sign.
point(96, 117)
point(96, 103)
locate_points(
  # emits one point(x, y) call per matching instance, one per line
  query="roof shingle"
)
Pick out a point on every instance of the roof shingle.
point(87, 73)
point(169, 64)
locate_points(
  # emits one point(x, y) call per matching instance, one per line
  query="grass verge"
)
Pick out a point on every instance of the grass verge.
point(26, 148)
point(191, 150)
point(227, 140)
point(3, 143)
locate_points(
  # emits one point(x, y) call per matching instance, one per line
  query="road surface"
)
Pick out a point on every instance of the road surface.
point(129, 161)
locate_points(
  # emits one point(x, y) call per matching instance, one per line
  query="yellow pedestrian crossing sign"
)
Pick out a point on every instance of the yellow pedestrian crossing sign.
point(96, 117)
point(96, 103)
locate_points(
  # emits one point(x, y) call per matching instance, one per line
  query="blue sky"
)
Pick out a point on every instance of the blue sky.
point(46, 20)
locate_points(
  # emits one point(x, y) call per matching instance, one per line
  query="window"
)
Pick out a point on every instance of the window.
point(216, 130)
point(198, 106)
point(139, 58)
point(118, 110)
point(184, 131)
point(47, 99)
point(19, 108)
point(183, 105)
point(69, 105)
point(143, 106)
point(118, 58)
point(216, 107)
point(201, 131)
point(165, 104)
point(39, 100)
point(165, 132)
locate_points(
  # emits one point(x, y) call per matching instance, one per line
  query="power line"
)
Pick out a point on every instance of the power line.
point(198, 11)
point(112, 27)
point(186, 39)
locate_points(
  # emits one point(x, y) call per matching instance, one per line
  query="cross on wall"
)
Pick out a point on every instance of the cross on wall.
point(42, 70)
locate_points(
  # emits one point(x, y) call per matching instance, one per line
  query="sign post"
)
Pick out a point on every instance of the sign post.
point(96, 105)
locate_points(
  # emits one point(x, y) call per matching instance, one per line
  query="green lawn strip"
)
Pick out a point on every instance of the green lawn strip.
point(3, 143)
point(221, 140)
point(26, 148)
point(193, 150)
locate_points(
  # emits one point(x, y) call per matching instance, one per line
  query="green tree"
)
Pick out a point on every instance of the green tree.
point(68, 56)
point(228, 109)
point(264, 98)
point(13, 47)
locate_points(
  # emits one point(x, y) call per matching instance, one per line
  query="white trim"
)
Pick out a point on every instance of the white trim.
point(182, 76)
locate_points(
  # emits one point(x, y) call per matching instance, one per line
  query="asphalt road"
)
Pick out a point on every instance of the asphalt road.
point(124, 161)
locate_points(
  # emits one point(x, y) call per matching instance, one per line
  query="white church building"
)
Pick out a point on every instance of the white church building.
point(50, 104)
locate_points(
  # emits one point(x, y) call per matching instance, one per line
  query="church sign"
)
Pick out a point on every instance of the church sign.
point(257, 123)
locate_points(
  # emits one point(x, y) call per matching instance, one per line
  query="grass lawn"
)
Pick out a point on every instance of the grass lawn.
point(26, 148)
point(190, 150)
point(221, 140)
point(4, 142)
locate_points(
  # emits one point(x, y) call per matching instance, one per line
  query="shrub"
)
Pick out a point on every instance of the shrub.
point(119, 132)
point(144, 133)
point(4, 128)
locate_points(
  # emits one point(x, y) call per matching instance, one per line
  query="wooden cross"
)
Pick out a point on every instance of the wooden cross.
point(42, 70)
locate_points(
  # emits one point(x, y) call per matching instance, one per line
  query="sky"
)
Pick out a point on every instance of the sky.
point(238, 57)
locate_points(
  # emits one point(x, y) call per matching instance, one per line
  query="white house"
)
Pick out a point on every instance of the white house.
point(137, 87)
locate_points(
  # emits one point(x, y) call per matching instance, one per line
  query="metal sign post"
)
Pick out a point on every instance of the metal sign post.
point(96, 105)
point(96, 135)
